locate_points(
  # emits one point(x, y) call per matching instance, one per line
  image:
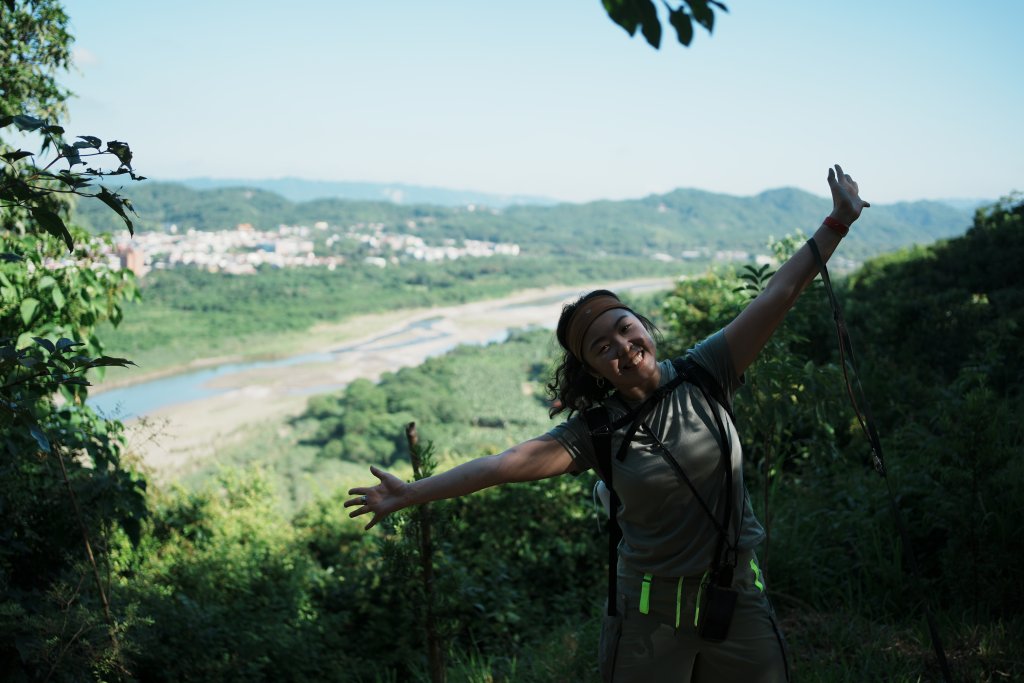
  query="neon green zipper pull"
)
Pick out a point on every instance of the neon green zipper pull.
point(645, 594)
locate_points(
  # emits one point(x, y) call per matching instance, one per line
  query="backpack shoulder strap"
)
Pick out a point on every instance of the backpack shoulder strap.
point(601, 428)
point(599, 423)
point(695, 372)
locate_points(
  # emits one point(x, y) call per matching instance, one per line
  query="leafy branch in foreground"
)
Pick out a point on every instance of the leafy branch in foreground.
point(32, 373)
point(49, 310)
point(642, 14)
point(31, 187)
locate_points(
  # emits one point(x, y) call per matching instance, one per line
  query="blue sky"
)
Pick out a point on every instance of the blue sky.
point(548, 97)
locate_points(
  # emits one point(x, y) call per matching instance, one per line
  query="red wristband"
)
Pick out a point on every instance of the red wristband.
point(837, 226)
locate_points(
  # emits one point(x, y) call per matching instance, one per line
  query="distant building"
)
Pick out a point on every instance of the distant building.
point(133, 258)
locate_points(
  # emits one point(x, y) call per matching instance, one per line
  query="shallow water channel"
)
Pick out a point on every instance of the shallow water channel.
point(429, 334)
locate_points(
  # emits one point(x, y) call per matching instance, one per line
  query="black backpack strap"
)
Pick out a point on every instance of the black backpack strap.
point(599, 423)
point(601, 428)
point(696, 373)
point(710, 389)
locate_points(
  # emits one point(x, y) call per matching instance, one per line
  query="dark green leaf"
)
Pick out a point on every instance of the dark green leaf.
point(6, 120)
point(704, 15)
point(105, 361)
point(623, 14)
point(683, 25)
point(53, 224)
point(651, 25)
point(17, 190)
point(71, 179)
point(65, 343)
point(24, 122)
point(45, 343)
point(8, 257)
point(14, 156)
point(54, 130)
point(28, 310)
point(91, 141)
point(71, 154)
point(121, 151)
point(118, 204)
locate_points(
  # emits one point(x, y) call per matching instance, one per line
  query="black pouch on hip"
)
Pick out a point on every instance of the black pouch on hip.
point(716, 609)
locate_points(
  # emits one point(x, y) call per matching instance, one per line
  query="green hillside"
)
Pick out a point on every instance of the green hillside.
point(670, 223)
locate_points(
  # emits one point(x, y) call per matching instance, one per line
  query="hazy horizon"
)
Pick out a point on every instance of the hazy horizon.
point(207, 182)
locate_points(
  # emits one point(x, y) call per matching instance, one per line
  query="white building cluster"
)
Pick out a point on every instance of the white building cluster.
point(244, 249)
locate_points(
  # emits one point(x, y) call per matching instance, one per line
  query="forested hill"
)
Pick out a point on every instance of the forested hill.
point(301, 190)
point(670, 223)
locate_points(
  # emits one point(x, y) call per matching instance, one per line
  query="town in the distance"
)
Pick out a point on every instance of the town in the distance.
point(244, 250)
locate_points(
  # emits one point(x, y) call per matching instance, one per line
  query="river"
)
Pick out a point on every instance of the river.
point(200, 406)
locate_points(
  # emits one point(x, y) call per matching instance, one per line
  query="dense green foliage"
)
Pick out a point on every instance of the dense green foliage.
point(64, 489)
point(226, 589)
point(471, 401)
point(64, 486)
point(34, 47)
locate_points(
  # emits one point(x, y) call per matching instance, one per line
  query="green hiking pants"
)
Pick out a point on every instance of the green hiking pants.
point(653, 638)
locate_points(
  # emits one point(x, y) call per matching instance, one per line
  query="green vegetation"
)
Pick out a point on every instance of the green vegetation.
point(850, 610)
point(187, 314)
point(471, 401)
point(261, 560)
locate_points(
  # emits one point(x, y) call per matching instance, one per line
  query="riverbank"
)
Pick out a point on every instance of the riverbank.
point(175, 439)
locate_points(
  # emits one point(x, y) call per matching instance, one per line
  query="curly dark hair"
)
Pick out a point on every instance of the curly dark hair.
point(572, 387)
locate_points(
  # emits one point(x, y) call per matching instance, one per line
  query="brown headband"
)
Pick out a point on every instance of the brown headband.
point(584, 316)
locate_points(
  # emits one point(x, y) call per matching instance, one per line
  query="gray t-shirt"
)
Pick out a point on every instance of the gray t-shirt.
point(665, 531)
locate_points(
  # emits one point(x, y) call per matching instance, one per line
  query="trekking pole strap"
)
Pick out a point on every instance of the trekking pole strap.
point(867, 425)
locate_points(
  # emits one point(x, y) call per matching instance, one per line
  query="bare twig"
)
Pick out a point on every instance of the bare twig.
point(88, 549)
point(434, 655)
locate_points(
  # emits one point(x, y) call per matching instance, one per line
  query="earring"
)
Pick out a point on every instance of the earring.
point(600, 382)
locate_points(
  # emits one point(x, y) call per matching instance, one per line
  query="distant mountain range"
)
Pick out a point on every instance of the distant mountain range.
point(300, 190)
point(670, 224)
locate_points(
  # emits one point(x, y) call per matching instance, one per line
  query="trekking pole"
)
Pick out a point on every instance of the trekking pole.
point(867, 424)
